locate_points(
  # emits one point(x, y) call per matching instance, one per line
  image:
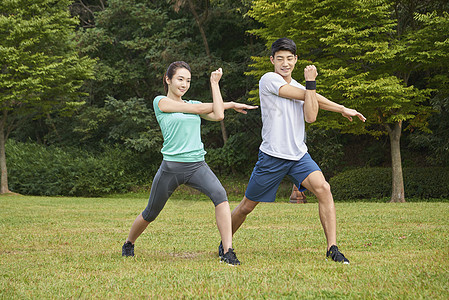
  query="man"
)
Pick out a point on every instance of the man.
point(285, 104)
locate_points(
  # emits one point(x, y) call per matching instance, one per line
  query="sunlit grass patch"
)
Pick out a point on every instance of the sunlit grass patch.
point(71, 248)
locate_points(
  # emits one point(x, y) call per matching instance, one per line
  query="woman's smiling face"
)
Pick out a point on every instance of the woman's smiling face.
point(179, 84)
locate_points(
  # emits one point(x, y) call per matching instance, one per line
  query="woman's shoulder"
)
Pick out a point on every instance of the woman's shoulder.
point(156, 103)
point(158, 98)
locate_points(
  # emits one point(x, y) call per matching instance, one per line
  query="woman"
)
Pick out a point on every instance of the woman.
point(183, 154)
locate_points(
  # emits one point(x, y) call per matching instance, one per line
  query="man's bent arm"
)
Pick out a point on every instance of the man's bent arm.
point(311, 105)
point(291, 92)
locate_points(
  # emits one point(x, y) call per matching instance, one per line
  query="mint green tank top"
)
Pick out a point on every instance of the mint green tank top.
point(182, 134)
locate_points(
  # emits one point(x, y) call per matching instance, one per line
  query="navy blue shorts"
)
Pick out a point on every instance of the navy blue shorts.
point(269, 172)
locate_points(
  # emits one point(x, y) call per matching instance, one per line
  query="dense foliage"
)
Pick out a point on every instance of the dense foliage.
point(375, 183)
point(47, 170)
point(371, 58)
point(41, 70)
point(386, 58)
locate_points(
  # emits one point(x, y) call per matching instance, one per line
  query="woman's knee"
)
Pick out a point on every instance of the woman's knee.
point(149, 215)
point(218, 196)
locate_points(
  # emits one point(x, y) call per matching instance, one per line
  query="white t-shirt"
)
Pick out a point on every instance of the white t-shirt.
point(283, 126)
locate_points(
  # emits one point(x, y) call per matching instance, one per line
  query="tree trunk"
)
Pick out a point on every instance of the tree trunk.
point(200, 22)
point(397, 193)
point(224, 133)
point(4, 172)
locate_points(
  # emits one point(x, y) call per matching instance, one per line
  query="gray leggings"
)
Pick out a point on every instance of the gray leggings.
point(171, 174)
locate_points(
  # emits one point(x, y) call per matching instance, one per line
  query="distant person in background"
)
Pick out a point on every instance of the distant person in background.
point(183, 154)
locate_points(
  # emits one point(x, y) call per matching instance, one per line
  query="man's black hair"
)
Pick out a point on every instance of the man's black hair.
point(283, 44)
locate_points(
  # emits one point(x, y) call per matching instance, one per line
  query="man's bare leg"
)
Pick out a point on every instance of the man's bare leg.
point(239, 213)
point(317, 184)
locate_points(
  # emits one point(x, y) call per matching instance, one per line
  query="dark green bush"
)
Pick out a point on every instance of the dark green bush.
point(325, 148)
point(426, 183)
point(375, 183)
point(237, 156)
point(35, 169)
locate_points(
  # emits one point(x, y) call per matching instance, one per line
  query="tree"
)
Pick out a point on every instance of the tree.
point(365, 62)
point(433, 27)
point(134, 41)
point(41, 70)
point(200, 20)
point(86, 9)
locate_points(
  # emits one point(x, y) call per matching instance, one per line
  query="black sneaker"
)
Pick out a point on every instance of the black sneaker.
point(336, 255)
point(128, 249)
point(220, 250)
point(230, 258)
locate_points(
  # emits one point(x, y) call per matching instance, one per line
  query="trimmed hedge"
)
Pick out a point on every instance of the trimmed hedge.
point(34, 169)
point(375, 183)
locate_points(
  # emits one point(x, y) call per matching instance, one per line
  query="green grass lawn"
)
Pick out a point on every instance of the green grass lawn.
point(68, 248)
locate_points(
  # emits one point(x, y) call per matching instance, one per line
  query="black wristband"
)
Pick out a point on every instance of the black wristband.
point(311, 85)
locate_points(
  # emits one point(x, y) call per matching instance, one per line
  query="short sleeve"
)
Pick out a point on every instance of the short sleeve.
point(156, 108)
point(270, 83)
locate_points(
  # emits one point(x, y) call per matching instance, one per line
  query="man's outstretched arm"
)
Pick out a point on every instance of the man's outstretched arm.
point(292, 92)
point(348, 113)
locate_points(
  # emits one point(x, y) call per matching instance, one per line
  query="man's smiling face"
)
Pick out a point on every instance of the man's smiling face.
point(284, 62)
